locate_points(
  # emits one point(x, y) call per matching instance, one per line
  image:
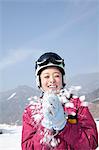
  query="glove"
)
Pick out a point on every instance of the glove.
point(71, 101)
point(64, 97)
point(53, 112)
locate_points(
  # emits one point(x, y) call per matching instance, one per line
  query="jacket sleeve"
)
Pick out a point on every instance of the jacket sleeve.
point(28, 131)
point(83, 135)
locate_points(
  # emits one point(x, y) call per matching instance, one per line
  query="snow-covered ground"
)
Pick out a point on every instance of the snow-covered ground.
point(11, 139)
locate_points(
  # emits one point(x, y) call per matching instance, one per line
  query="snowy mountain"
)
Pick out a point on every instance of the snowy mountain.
point(13, 102)
point(89, 82)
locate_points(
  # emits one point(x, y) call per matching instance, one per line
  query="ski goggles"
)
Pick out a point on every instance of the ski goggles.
point(52, 60)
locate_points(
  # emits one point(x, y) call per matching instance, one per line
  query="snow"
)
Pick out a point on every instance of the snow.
point(12, 95)
point(11, 139)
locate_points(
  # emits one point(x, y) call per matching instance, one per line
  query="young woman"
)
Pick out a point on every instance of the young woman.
point(57, 120)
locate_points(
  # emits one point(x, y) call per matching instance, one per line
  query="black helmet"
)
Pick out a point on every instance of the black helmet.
point(47, 60)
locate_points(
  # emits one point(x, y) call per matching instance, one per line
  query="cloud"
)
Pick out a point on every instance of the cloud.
point(56, 32)
point(13, 57)
point(74, 20)
point(18, 55)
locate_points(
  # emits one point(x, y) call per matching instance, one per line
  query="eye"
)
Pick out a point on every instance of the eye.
point(46, 77)
point(57, 75)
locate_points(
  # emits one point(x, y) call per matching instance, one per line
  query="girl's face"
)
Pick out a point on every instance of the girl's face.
point(51, 79)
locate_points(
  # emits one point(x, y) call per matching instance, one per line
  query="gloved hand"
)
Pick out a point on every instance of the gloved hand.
point(65, 97)
point(71, 101)
point(53, 112)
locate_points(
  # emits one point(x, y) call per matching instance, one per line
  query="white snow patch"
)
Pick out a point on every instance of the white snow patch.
point(11, 139)
point(12, 95)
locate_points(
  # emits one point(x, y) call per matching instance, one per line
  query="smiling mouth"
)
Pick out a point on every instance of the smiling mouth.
point(52, 86)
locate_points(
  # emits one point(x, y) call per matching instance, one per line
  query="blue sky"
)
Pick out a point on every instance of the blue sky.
point(31, 27)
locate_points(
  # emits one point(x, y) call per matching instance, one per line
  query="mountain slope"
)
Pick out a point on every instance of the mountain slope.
point(89, 82)
point(13, 102)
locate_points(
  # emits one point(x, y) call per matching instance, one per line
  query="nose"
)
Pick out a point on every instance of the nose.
point(52, 79)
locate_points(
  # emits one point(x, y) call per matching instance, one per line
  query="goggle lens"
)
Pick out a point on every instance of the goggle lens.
point(50, 60)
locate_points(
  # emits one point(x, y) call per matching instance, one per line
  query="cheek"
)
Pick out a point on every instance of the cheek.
point(43, 82)
point(61, 84)
point(59, 81)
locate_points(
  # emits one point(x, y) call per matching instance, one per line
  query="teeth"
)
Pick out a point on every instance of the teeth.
point(52, 86)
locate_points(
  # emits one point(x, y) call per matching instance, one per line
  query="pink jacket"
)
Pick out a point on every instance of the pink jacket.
point(80, 136)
